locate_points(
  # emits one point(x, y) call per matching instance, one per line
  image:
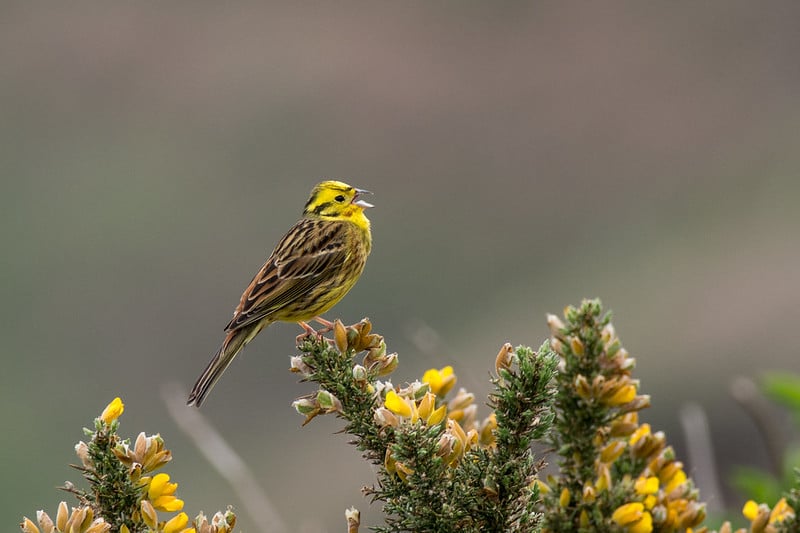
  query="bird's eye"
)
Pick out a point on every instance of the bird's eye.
point(339, 198)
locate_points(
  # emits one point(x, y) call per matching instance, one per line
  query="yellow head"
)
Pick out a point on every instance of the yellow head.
point(334, 200)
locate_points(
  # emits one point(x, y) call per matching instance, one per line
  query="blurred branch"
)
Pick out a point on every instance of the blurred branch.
point(700, 452)
point(749, 397)
point(224, 459)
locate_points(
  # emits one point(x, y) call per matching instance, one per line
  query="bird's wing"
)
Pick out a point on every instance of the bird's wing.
point(309, 254)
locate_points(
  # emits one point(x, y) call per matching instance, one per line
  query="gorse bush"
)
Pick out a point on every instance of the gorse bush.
point(442, 466)
point(124, 494)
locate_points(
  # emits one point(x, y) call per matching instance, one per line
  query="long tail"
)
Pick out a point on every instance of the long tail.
point(232, 345)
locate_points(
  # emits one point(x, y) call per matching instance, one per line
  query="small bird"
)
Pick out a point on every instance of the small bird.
point(313, 266)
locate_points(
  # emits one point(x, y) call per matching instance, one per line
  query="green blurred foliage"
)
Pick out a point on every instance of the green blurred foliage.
point(756, 483)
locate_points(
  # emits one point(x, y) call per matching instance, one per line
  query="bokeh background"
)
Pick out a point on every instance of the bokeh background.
point(523, 156)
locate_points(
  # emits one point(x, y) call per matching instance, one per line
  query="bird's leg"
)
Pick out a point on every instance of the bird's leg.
point(327, 323)
point(328, 326)
point(307, 331)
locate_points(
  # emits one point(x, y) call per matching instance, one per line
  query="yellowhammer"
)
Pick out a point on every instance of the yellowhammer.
point(313, 266)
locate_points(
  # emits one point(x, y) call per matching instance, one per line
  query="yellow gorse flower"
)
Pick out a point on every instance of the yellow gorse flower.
point(161, 494)
point(407, 408)
point(564, 497)
point(750, 510)
point(177, 524)
point(428, 412)
point(634, 518)
point(646, 485)
point(398, 405)
point(440, 381)
point(80, 520)
point(763, 515)
point(112, 411)
point(781, 512)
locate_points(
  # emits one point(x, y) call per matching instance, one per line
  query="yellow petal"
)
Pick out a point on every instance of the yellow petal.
point(612, 451)
point(563, 499)
point(781, 512)
point(157, 485)
point(628, 514)
point(396, 404)
point(621, 396)
point(644, 525)
point(440, 381)
point(643, 430)
point(177, 523)
point(112, 411)
point(584, 519)
point(675, 481)
point(426, 405)
point(437, 416)
point(646, 485)
point(169, 504)
point(432, 377)
point(750, 510)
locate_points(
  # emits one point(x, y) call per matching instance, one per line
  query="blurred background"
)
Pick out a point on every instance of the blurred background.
point(522, 156)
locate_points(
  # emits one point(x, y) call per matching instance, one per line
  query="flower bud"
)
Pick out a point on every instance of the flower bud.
point(446, 447)
point(589, 494)
point(603, 481)
point(504, 358)
point(387, 364)
point(62, 516)
point(82, 451)
point(576, 345)
point(28, 526)
point(582, 387)
point(564, 498)
point(45, 522)
point(694, 515)
point(384, 417)
point(489, 424)
point(328, 402)
point(612, 451)
point(149, 515)
point(607, 334)
point(461, 400)
point(426, 405)
point(415, 390)
point(353, 518)
point(305, 406)
point(101, 526)
point(638, 403)
point(378, 351)
point(613, 347)
point(340, 336)
point(557, 346)
point(298, 365)
point(76, 519)
point(359, 374)
point(555, 324)
point(112, 411)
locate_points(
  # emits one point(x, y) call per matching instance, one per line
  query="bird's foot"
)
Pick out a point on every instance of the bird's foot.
point(327, 323)
point(307, 331)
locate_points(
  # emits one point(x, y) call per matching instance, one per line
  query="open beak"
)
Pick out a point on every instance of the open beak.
point(361, 203)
